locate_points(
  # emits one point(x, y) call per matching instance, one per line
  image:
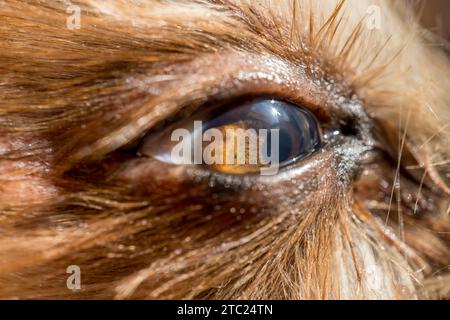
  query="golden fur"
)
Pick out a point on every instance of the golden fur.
point(70, 193)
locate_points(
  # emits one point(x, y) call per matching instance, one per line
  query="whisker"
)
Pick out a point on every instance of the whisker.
point(419, 191)
point(435, 164)
point(434, 135)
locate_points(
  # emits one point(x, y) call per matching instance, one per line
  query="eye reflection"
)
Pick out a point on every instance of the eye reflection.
point(242, 139)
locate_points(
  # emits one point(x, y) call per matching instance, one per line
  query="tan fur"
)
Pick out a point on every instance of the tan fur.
point(70, 100)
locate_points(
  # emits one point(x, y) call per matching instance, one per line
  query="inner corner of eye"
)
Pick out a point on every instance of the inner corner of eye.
point(257, 136)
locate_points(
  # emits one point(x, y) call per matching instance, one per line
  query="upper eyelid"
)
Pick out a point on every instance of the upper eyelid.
point(221, 77)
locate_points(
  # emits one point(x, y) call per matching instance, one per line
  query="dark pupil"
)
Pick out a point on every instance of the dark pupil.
point(299, 134)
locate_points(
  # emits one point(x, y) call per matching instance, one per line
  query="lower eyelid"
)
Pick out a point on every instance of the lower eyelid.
point(309, 173)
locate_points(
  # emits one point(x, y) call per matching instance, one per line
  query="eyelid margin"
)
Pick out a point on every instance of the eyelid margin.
point(239, 75)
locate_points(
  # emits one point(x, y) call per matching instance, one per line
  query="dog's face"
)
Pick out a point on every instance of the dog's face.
point(92, 91)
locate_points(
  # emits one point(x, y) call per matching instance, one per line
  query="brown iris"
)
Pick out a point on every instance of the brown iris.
point(243, 139)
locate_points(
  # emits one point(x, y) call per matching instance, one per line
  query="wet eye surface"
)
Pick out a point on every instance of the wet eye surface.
point(265, 134)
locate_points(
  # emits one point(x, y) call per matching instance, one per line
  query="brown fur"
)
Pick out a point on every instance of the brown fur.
point(74, 102)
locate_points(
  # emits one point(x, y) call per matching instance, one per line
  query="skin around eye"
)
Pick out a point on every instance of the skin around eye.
point(264, 134)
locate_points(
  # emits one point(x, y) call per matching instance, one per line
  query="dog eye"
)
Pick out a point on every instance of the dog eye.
point(255, 136)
